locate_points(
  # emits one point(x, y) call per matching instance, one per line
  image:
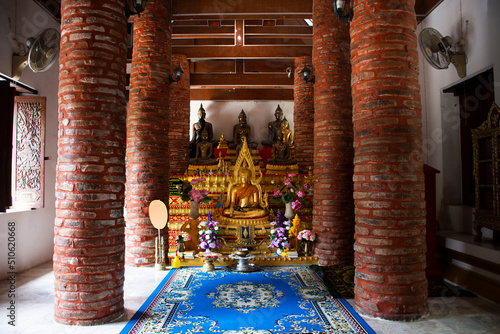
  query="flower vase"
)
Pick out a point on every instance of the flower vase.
point(279, 251)
point(194, 213)
point(307, 248)
point(288, 211)
point(180, 248)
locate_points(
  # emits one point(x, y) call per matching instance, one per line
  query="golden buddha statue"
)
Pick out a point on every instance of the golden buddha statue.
point(287, 133)
point(204, 152)
point(244, 219)
point(244, 198)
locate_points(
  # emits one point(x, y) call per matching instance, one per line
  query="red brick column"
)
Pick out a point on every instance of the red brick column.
point(178, 135)
point(303, 116)
point(388, 177)
point(89, 226)
point(333, 212)
point(147, 129)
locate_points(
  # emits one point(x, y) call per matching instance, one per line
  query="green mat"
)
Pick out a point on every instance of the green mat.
point(339, 280)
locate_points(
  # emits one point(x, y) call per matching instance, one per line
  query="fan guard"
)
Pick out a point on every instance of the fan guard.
point(44, 50)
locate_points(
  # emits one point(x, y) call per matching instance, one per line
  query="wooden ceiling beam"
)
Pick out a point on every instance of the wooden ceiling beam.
point(243, 51)
point(241, 80)
point(194, 9)
point(241, 94)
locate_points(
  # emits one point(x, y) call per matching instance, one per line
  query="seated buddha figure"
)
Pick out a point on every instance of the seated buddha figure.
point(281, 153)
point(274, 127)
point(287, 133)
point(204, 152)
point(240, 130)
point(244, 198)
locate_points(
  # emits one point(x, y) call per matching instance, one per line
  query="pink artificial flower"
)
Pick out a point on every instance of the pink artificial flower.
point(272, 181)
point(307, 186)
point(300, 194)
point(299, 236)
point(277, 193)
point(287, 182)
point(313, 237)
point(296, 205)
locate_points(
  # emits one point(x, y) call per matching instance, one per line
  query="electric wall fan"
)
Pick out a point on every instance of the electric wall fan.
point(437, 51)
point(43, 50)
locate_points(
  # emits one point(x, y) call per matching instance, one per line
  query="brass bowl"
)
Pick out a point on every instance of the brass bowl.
point(241, 253)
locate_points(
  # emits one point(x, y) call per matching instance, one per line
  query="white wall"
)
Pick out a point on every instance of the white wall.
point(224, 115)
point(477, 23)
point(34, 229)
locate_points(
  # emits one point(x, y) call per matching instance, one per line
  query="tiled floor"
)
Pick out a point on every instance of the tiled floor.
point(35, 308)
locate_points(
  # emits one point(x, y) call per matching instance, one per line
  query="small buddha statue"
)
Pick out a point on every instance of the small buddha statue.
point(287, 133)
point(204, 152)
point(244, 198)
point(281, 153)
point(240, 130)
point(274, 127)
point(198, 128)
point(222, 142)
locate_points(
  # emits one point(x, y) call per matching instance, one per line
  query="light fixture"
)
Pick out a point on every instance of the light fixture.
point(289, 72)
point(339, 7)
point(134, 7)
point(178, 72)
point(306, 74)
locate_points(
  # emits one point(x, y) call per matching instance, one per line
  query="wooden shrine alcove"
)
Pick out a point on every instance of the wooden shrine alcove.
point(486, 153)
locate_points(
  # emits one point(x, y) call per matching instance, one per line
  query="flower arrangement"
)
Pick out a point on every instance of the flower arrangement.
point(279, 233)
point(196, 195)
point(208, 234)
point(182, 236)
point(291, 193)
point(306, 235)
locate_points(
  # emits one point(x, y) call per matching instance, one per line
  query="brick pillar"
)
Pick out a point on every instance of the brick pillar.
point(89, 226)
point(303, 116)
point(388, 176)
point(178, 135)
point(147, 129)
point(333, 211)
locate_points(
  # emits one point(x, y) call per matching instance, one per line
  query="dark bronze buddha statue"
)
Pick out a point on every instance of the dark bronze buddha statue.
point(274, 127)
point(198, 128)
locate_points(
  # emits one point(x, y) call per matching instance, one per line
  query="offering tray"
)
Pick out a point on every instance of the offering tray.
point(243, 265)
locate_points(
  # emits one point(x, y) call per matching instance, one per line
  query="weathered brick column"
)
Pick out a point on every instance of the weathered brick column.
point(147, 129)
point(303, 115)
point(178, 136)
point(89, 226)
point(388, 177)
point(333, 212)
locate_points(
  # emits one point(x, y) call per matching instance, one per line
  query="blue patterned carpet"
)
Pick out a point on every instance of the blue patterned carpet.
point(275, 300)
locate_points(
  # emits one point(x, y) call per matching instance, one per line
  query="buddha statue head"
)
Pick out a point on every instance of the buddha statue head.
point(201, 112)
point(242, 117)
point(278, 113)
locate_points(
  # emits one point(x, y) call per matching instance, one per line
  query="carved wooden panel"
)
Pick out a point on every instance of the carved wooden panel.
point(28, 155)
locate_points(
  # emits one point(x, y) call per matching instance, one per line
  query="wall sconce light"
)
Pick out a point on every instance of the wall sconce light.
point(339, 7)
point(178, 72)
point(306, 74)
point(134, 7)
point(289, 72)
